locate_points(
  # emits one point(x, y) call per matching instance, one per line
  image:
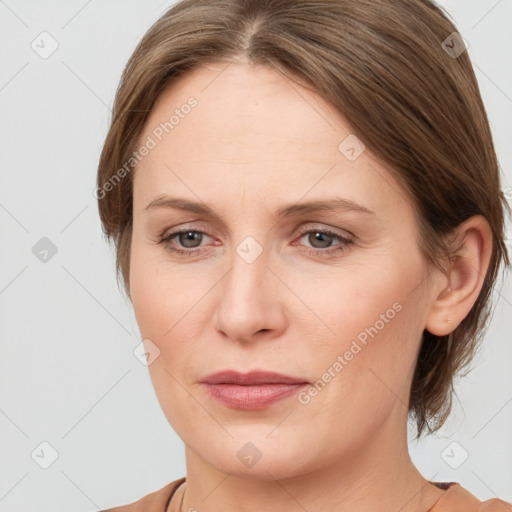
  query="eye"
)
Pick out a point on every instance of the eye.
point(189, 238)
point(324, 238)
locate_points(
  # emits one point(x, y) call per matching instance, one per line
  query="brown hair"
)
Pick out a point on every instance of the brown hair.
point(386, 65)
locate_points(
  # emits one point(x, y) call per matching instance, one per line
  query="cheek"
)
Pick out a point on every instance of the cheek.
point(146, 292)
point(162, 307)
point(352, 303)
point(167, 304)
point(373, 334)
point(158, 295)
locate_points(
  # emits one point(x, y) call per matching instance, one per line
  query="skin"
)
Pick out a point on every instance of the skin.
point(258, 140)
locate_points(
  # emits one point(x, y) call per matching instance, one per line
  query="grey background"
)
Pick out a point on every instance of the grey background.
point(68, 373)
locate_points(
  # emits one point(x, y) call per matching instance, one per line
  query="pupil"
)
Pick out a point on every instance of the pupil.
point(318, 237)
point(190, 237)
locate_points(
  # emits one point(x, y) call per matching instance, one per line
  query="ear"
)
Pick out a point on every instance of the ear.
point(464, 279)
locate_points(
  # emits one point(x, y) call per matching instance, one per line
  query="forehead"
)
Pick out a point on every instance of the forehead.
point(249, 108)
point(258, 134)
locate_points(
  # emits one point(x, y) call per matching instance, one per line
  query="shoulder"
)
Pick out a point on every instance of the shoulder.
point(459, 499)
point(495, 505)
point(156, 501)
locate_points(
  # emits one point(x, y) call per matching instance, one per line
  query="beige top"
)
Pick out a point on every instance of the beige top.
point(455, 499)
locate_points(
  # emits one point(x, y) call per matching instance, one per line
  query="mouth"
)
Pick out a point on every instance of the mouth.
point(251, 391)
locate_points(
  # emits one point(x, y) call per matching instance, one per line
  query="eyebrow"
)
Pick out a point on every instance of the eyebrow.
point(331, 205)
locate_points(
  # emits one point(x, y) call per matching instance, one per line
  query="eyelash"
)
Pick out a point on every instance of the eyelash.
point(345, 242)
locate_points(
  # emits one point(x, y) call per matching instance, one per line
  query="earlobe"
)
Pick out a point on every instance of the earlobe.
point(465, 275)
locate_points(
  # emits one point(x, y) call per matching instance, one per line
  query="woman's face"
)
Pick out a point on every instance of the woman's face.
point(263, 291)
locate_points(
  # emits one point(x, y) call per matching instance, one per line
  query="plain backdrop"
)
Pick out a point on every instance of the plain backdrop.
point(74, 396)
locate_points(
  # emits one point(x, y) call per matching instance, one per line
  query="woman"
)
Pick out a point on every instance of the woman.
point(306, 206)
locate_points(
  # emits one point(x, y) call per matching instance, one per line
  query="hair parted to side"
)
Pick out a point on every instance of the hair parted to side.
point(381, 63)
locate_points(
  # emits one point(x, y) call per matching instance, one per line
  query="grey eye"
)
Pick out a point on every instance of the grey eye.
point(325, 239)
point(189, 238)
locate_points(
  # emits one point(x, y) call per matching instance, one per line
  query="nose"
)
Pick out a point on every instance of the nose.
point(249, 305)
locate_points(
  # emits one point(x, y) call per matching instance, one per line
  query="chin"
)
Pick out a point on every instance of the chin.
point(242, 457)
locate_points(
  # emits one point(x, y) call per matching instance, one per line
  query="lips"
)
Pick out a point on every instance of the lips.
point(252, 378)
point(253, 390)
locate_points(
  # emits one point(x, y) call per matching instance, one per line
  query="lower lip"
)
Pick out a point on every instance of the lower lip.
point(252, 397)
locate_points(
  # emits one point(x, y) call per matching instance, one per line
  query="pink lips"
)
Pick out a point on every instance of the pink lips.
point(253, 390)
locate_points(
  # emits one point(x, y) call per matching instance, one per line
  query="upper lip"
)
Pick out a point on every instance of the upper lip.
point(252, 378)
